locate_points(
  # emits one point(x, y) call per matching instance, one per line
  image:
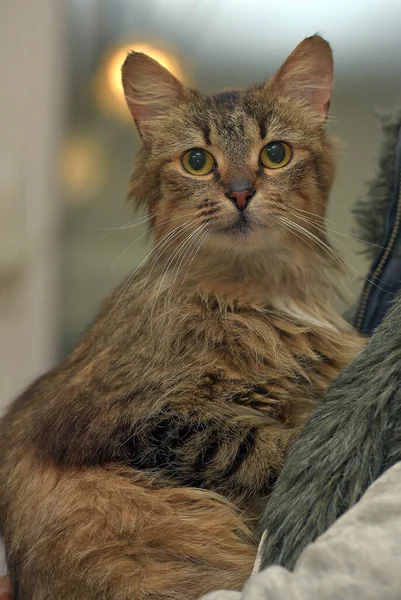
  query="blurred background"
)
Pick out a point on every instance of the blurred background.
point(67, 142)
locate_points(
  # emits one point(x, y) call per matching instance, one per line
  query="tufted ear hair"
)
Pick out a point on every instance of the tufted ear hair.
point(307, 75)
point(150, 90)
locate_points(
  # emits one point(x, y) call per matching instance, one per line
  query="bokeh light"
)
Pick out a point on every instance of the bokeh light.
point(109, 91)
point(83, 168)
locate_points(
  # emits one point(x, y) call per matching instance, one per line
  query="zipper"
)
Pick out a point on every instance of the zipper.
point(379, 268)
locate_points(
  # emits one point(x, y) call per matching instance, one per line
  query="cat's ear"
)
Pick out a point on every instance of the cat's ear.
point(307, 75)
point(150, 90)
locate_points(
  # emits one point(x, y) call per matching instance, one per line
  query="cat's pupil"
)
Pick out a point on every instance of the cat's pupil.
point(197, 159)
point(276, 152)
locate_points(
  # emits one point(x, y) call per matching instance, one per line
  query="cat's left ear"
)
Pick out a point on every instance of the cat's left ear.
point(150, 90)
point(307, 75)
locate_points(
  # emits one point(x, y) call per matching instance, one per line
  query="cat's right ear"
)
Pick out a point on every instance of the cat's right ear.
point(307, 75)
point(150, 90)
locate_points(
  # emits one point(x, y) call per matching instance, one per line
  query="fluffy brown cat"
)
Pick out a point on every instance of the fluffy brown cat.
point(132, 470)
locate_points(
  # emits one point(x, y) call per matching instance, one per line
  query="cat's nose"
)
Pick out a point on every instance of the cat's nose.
point(240, 197)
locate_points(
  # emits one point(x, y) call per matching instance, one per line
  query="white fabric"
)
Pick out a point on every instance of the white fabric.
point(358, 558)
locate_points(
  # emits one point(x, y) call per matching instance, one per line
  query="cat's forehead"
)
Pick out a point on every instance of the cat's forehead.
point(235, 120)
point(227, 121)
point(226, 100)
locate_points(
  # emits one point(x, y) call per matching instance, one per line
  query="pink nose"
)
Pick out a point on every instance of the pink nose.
point(241, 198)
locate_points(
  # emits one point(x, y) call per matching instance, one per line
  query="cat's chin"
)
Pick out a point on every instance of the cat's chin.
point(244, 238)
point(242, 227)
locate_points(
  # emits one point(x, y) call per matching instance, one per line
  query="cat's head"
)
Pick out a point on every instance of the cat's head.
point(242, 170)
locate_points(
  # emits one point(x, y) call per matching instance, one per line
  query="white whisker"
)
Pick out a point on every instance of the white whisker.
point(169, 237)
point(146, 233)
point(331, 252)
point(129, 225)
point(325, 220)
point(183, 249)
point(202, 239)
point(166, 268)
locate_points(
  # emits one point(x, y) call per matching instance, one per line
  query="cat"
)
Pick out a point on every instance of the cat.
point(137, 467)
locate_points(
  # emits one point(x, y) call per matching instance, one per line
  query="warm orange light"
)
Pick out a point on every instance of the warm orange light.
point(109, 87)
point(83, 168)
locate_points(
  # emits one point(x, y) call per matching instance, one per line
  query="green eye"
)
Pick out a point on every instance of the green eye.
point(276, 155)
point(198, 162)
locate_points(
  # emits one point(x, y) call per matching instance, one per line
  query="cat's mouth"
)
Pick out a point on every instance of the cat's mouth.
point(241, 225)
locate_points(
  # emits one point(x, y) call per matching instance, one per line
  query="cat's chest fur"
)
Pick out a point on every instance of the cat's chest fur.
point(251, 356)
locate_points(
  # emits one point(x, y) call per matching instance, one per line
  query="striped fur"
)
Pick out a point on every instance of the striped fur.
point(136, 468)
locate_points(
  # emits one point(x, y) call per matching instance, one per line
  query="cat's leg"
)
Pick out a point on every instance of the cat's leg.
point(232, 449)
point(193, 441)
point(113, 534)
